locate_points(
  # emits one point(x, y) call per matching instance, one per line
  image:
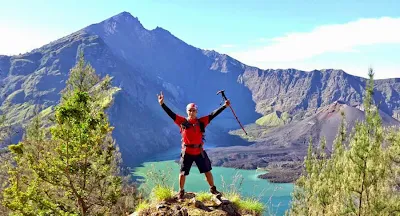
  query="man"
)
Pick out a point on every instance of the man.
point(192, 130)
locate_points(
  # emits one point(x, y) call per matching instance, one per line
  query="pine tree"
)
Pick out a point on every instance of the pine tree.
point(303, 188)
point(5, 158)
point(76, 171)
point(393, 154)
point(362, 179)
point(367, 167)
point(337, 177)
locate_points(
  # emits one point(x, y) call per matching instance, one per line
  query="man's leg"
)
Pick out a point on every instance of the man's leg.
point(209, 178)
point(204, 166)
point(182, 179)
point(186, 163)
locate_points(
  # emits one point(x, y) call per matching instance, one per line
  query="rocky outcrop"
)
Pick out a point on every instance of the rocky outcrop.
point(190, 205)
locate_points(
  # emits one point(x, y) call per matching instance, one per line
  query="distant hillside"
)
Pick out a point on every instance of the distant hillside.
point(144, 62)
point(300, 93)
point(287, 144)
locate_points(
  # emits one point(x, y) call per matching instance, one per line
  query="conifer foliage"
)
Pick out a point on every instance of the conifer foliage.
point(71, 168)
point(361, 177)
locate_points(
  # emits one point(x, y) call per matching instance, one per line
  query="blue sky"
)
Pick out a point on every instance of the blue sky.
point(306, 35)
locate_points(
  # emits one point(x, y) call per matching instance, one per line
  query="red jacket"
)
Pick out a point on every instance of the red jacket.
point(192, 135)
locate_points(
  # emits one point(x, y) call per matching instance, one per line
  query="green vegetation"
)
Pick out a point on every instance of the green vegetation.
point(285, 117)
point(72, 167)
point(5, 158)
point(248, 205)
point(16, 113)
point(251, 206)
point(274, 119)
point(203, 196)
point(260, 129)
point(142, 206)
point(271, 119)
point(359, 179)
point(47, 111)
point(234, 197)
point(162, 193)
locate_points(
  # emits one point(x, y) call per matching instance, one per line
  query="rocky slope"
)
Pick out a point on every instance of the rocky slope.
point(282, 149)
point(32, 81)
point(297, 93)
point(144, 62)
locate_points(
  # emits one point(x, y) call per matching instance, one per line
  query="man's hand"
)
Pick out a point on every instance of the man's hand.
point(227, 103)
point(160, 98)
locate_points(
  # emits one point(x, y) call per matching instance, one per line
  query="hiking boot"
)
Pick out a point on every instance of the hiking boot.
point(181, 194)
point(214, 191)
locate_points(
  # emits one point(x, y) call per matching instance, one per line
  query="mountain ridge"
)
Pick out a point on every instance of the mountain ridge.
point(144, 62)
point(286, 145)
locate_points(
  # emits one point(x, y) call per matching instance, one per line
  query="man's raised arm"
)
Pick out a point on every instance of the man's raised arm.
point(166, 109)
point(169, 111)
point(216, 112)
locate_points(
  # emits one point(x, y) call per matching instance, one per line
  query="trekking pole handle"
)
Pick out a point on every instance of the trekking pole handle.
point(223, 94)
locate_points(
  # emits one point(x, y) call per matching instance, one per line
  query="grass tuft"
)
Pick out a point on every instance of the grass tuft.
point(234, 197)
point(203, 196)
point(162, 193)
point(251, 205)
point(142, 206)
point(248, 205)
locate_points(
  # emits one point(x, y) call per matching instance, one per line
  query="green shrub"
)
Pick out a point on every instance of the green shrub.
point(161, 193)
point(141, 206)
point(251, 205)
point(203, 196)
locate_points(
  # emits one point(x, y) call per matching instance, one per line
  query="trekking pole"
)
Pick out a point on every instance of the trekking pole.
point(224, 97)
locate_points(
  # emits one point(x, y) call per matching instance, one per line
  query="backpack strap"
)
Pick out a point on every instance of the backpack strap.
point(202, 128)
point(186, 124)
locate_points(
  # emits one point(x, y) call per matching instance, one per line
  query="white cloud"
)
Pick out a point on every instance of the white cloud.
point(324, 39)
point(16, 38)
point(262, 40)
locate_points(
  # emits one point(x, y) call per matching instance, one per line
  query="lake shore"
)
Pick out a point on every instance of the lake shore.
point(275, 171)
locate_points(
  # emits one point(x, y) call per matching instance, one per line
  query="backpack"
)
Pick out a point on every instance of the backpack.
point(186, 124)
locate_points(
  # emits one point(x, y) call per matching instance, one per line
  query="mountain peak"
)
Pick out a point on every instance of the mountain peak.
point(123, 20)
point(124, 13)
point(160, 30)
point(124, 16)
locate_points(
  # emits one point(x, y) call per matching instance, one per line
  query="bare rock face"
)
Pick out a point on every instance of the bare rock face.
point(144, 62)
point(281, 150)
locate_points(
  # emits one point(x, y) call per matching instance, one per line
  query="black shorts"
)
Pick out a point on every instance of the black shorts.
point(202, 163)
